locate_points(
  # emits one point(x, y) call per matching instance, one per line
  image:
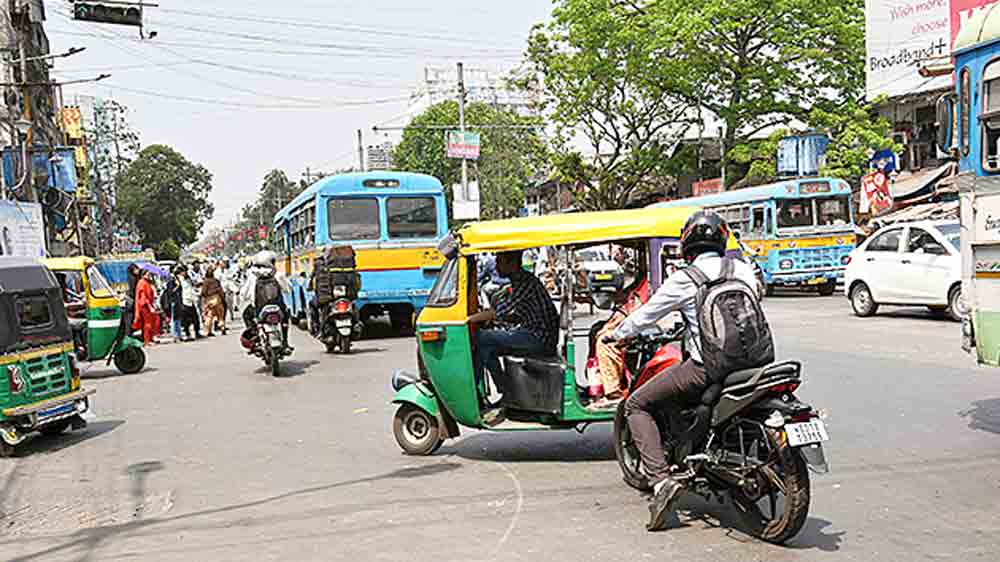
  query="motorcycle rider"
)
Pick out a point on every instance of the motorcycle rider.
point(263, 266)
point(703, 244)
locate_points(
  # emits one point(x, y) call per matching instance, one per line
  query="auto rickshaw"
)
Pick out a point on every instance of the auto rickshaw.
point(101, 331)
point(39, 379)
point(548, 393)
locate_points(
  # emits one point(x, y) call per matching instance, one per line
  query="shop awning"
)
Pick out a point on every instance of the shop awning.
point(916, 184)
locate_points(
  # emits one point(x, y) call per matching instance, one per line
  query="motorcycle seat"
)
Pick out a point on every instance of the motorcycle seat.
point(782, 369)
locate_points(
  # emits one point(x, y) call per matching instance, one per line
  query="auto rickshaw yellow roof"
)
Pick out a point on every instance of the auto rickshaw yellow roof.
point(983, 27)
point(77, 263)
point(572, 229)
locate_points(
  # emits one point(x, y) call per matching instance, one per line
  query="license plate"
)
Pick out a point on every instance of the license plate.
point(816, 281)
point(604, 277)
point(805, 433)
point(345, 323)
point(58, 410)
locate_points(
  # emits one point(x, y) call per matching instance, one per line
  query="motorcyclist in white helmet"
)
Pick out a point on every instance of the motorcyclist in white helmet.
point(263, 266)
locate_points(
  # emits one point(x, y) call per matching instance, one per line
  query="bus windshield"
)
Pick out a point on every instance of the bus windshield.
point(354, 219)
point(411, 217)
point(795, 212)
point(832, 210)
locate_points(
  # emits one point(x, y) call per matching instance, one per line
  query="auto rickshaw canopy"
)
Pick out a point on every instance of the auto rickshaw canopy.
point(572, 229)
point(68, 264)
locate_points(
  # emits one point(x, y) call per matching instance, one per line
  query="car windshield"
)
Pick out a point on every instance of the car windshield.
point(952, 233)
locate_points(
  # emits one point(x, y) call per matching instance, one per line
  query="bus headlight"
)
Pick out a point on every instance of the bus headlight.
point(785, 264)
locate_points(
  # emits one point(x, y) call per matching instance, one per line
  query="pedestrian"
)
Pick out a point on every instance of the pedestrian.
point(171, 301)
point(147, 318)
point(189, 298)
point(213, 303)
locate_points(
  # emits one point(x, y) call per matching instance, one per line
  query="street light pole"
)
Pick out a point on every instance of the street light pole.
point(461, 128)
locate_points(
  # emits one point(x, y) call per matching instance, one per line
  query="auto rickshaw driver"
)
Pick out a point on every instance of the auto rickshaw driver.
point(533, 321)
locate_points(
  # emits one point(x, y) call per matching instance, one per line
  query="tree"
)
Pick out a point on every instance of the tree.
point(114, 145)
point(165, 195)
point(609, 78)
point(168, 250)
point(509, 160)
point(856, 135)
point(633, 76)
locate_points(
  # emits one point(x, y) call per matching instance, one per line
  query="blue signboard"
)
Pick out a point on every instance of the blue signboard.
point(57, 164)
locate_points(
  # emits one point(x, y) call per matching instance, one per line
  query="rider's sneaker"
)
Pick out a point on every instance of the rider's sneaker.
point(665, 495)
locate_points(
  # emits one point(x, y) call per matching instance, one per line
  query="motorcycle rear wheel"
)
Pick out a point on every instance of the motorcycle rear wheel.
point(275, 365)
point(761, 513)
point(628, 454)
point(345, 343)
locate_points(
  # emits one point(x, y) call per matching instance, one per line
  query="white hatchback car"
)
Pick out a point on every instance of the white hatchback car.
point(915, 263)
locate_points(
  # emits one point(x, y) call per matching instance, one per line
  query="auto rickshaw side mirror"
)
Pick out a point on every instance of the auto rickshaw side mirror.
point(448, 246)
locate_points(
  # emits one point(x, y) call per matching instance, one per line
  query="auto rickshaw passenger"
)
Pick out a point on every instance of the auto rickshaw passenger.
point(532, 320)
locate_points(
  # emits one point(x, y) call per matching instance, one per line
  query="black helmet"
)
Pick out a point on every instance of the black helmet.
point(703, 232)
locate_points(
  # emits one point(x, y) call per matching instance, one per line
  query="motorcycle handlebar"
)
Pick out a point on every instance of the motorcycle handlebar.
point(660, 338)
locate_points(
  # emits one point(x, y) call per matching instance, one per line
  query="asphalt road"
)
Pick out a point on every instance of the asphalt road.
point(204, 456)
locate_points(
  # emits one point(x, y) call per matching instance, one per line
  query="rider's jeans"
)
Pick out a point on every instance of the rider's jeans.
point(491, 344)
point(678, 387)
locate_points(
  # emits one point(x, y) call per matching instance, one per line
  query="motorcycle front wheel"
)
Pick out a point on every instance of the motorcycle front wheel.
point(775, 503)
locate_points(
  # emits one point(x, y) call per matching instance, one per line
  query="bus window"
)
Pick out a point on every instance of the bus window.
point(411, 217)
point(758, 222)
point(832, 210)
point(795, 212)
point(991, 116)
point(354, 219)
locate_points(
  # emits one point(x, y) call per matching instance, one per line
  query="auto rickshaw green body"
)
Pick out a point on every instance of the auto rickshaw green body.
point(39, 383)
point(106, 330)
point(444, 395)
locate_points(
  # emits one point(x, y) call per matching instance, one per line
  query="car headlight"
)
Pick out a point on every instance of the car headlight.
point(785, 264)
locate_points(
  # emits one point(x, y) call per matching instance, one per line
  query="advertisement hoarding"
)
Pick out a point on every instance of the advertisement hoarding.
point(903, 35)
point(462, 145)
point(22, 232)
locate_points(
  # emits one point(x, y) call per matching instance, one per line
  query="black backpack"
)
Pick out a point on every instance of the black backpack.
point(267, 291)
point(734, 332)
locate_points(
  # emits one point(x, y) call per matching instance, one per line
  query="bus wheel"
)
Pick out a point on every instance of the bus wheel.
point(827, 289)
point(402, 320)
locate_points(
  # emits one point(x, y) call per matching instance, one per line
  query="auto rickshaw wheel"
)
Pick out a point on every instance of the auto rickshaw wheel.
point(6, 450)
point(56, 428)
point(416, 431)
point(130, 360)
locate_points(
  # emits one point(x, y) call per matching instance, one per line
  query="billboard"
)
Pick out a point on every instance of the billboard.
point(22, 232)
point(706, 187)
point(902, 35)
point(463, 144)
point(55, 167)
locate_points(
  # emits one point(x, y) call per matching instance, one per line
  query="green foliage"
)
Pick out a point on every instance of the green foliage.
point(856, 135)
point(168, 250)
point(609, 80)
point(631, 77)
point(165, 195)
point(509, 158)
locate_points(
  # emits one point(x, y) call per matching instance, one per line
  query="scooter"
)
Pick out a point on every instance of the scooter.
point(339, 324)
point(748, 438)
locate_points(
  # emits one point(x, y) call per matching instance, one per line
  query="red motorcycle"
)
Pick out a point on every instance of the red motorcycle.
point(748, 438)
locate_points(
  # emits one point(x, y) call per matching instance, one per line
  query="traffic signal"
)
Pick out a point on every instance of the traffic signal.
point(120, 13)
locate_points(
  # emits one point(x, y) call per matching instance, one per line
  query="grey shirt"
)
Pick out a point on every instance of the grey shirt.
point(678, 293)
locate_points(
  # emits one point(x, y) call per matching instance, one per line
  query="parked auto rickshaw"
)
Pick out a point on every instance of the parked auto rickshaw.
point(549, 394)
point(39, 380)
point(101, 331)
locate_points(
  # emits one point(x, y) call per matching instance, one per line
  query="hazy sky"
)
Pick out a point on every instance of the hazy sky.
point(244, 86)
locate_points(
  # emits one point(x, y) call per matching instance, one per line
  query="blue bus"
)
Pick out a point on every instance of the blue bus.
point(393, 220)
point(800, 231)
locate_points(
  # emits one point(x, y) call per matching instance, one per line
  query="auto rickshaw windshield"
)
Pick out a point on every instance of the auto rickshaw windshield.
point(99, 286)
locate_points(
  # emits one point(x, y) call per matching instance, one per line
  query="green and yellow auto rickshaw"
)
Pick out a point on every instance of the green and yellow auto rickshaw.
point(39, 380)
point(101, 330)
point(444, 395)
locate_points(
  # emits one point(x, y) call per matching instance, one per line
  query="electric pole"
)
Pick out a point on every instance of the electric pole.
point(361, 152)
point(461, 128)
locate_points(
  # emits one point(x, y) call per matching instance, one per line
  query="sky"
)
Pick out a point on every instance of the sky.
point(243, 87)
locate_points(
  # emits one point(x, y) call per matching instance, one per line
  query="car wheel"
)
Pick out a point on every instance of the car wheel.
point(862, 302)
point(957, 310)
